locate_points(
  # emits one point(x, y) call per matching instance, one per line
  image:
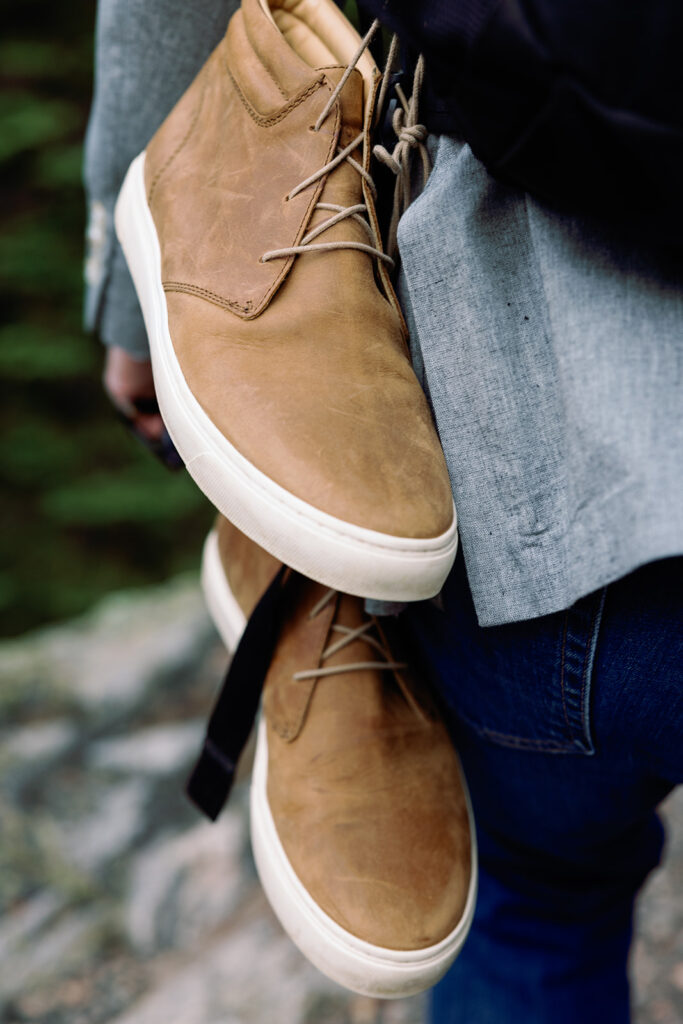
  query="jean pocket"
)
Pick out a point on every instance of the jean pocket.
point(526, 685)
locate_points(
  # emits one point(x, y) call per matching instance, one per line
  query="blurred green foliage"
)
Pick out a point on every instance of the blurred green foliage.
point(84, 508)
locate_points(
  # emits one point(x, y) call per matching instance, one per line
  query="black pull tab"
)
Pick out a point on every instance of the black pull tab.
point(235, 709)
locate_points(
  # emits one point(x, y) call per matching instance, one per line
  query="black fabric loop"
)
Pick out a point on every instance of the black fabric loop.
point(235, 709)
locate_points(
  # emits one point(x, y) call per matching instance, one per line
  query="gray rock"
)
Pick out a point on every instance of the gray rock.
point(158, 750)
point(23, 922)
point(657, 957)
point(183, 888)
point(254, 974)
point(89, 844)
point(189, 936)
point(41, 743)
point(137, 640)
point(29, 751)
point(107, 661)
point(404, 1011)
point(31, 859)
point(49, 954)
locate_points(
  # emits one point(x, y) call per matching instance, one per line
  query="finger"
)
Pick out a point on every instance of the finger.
point(151, 427)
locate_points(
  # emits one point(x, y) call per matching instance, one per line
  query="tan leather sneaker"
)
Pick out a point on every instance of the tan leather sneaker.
point(278, 347)
point(361, 824)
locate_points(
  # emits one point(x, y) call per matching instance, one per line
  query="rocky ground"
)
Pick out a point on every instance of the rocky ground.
point(119, 904)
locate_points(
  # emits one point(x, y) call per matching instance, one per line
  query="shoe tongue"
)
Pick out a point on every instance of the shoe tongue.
point(351, 97)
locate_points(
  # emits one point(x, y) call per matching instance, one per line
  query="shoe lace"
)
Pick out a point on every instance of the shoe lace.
point(347, 636)
point(411, 136)
point(359, 211)
point(369, 633)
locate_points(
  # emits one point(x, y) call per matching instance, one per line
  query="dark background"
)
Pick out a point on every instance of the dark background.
point(84, 508)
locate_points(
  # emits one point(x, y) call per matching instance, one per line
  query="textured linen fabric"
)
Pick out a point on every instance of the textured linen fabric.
point(552, 352)
point(146, 54)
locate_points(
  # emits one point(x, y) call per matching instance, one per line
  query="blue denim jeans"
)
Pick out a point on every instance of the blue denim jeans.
point(570, 731)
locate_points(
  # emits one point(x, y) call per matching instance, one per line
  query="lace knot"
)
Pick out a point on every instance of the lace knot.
point(410, 136)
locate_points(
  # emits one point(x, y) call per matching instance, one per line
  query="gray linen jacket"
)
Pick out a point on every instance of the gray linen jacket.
point(550, 348)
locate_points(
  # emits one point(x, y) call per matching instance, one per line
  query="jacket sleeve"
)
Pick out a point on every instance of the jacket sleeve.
point(576, 101)
point(146, 54)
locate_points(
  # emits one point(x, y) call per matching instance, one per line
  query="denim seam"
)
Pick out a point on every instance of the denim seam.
point(588, 640)
point(577, 743)
point(587, 677)
point(518, 742)
point(562, 676)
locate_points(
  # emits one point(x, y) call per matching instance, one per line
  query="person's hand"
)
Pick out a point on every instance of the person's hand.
point(130, 386)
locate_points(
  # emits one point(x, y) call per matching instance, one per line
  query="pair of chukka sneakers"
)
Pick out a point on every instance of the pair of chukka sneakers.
point(282, 372)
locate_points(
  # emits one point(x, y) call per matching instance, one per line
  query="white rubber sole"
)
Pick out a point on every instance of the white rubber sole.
point(358, 965)
point(333, 552)
point(228, 617)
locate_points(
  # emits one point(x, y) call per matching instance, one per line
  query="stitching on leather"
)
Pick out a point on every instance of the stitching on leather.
point(181, 144)
point(314, 199)
point(250, 308)
point(205, 293)
point(273, 79)
point(291, 727)
point(266, 122)
point(254, 308)
point(270, 74)
point(266, 68)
